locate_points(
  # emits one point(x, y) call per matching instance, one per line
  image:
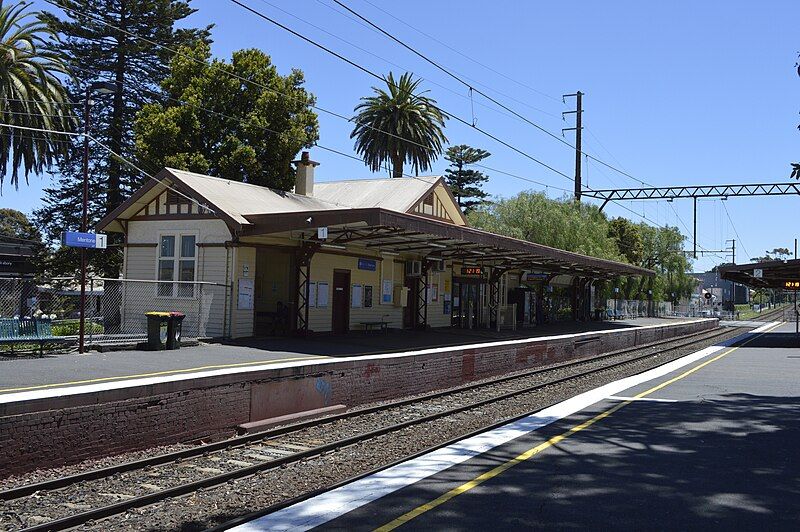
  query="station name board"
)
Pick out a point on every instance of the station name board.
point(792, 285)
point(471, 270)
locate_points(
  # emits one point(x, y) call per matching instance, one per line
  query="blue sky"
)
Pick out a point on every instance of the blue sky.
point(676, 93)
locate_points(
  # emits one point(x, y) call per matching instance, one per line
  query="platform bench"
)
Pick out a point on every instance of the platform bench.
point(27, 331)
point(380, 325)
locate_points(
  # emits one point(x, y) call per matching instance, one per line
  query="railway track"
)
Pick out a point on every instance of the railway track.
point(71, 501)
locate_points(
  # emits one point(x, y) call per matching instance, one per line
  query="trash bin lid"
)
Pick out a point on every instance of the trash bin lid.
point(157, 314)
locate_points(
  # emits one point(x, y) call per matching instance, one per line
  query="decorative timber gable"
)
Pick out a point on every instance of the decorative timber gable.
point(170, 204)
point(439, 203)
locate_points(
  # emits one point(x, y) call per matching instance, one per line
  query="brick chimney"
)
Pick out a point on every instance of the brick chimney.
point(304, 178)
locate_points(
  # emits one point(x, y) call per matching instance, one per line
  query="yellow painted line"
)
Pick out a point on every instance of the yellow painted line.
point(530, 453)
point(161, 373)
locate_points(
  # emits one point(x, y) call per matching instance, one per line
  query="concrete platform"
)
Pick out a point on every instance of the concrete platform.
point(63, 370)
point(708, 442)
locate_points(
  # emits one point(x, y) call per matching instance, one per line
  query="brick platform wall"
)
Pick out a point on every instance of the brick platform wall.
point(50, 432)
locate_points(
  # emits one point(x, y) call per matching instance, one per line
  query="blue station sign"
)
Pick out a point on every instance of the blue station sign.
point(367, 264)
point(84, 240)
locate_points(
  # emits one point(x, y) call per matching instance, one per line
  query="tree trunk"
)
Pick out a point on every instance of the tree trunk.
point(114, 194)
point(397, 165)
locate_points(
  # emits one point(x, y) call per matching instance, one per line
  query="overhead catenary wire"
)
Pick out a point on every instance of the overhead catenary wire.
point(382, 78)
point(733, 226)
point(466, 84)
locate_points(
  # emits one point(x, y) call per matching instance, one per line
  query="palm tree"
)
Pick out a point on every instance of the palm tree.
point(399, 126)
point(31, 94)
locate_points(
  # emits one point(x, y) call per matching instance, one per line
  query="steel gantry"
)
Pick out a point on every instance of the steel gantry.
point(693, 192)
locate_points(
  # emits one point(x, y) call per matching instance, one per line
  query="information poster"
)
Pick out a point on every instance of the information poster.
point(368, 296)
point(322, 294)
point(358, 295)
point(386, 291)
point(312, 294)
point(246, 291)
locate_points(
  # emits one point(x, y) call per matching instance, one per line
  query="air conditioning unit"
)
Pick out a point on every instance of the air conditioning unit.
point(437, 265)
point(401, 296)
point(414, 268)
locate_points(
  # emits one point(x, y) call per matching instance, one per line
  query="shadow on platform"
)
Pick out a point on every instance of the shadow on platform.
point(784, 340)
point(726, 463)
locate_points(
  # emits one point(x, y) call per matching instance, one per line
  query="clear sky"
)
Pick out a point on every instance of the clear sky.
point(680, 92)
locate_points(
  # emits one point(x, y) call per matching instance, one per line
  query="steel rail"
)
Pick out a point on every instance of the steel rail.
point(190, 487)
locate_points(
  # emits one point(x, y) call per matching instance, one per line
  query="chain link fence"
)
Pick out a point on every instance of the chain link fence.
point(115, 308)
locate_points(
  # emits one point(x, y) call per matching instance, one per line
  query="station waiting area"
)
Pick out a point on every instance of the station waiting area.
point(63, 370)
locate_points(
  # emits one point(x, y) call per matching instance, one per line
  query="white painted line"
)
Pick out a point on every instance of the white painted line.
point(48, 393)
point(653, 399)
point(328, 506)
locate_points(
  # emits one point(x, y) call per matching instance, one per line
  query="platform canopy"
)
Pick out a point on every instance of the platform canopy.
point(783, 274)
point(394, 232)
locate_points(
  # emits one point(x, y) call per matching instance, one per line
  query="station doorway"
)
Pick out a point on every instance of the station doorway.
point(467, 297)
point(341, 301)
point(275, 290)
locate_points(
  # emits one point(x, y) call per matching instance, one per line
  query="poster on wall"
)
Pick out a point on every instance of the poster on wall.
point(446, 308)
point(312, 294)
point(322, 295)
point(367, 296)
point(386, 291)
point(246, 290)
point(435, 292)
point(358, 295)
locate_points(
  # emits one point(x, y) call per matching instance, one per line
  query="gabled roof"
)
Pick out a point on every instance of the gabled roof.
point(234, 201)
point(238, 199)
point(396, 194)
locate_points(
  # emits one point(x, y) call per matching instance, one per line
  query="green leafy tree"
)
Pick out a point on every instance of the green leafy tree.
point(628, 238)
point(465, 183)
point(562, 224)
point(213, 123)
point(98, 38)
point(15, 224)
point(399, 125)
point(31, 93)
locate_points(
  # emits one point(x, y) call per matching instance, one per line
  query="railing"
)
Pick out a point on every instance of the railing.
point(115, 307)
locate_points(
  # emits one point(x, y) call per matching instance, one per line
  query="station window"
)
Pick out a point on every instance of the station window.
point(177, 261)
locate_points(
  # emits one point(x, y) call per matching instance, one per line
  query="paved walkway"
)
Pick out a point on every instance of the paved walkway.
point(24, 374)
point(706, 443)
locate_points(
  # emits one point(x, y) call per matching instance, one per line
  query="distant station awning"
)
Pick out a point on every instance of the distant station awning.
point(783, 274)
point(389, 231)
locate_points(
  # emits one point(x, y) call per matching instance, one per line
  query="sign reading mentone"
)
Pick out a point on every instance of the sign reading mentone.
point(471, 270)
point(84, 240)
point(370, 265)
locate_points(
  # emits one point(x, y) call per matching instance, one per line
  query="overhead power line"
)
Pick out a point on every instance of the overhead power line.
point(468, 85)
point(382, 78)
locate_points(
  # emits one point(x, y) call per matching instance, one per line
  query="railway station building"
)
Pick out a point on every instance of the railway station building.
point(340, 256)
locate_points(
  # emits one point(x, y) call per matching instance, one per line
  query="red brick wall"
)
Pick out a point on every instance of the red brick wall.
point(57, 431)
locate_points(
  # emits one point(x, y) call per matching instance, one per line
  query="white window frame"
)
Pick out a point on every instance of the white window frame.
point(176, 263)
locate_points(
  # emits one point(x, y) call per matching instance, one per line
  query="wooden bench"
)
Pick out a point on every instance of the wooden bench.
point(370, 325)
point(27, 331)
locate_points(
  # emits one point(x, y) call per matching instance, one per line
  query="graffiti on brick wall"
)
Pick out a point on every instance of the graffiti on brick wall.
point(325, 389)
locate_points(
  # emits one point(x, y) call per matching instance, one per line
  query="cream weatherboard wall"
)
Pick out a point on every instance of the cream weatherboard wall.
point(389, 268)
point(141, 263)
